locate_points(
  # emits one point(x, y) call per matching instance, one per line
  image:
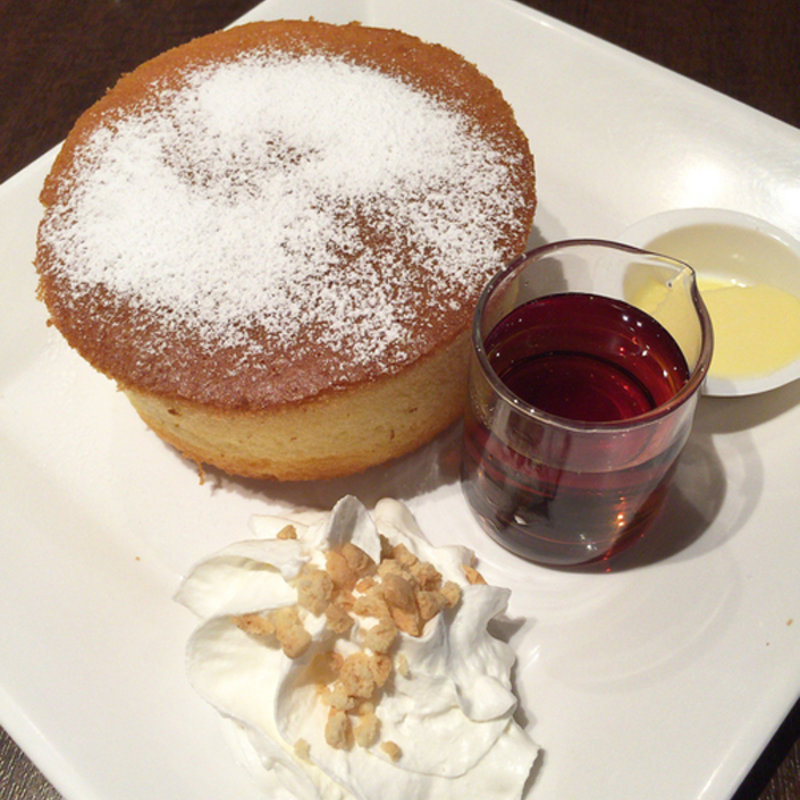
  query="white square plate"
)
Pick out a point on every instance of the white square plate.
point(662, 680)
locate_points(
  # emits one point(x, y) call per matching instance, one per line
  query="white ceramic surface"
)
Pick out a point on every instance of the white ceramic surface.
point(661, 680)
point(746, 250)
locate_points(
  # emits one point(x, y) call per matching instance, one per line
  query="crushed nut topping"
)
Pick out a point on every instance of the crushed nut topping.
point(338, 620)
point(255, 624)
point(339, 730)
point(402, 593)
point(287, 532)
point(402, 666)
point(283, 623)
point(380, 637)
point(302, 749)
point(391, 749)
point(314, 590)
point(473, 576)
point(367, 730)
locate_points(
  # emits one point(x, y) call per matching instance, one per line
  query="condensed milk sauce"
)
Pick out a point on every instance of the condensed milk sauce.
point(756, 324)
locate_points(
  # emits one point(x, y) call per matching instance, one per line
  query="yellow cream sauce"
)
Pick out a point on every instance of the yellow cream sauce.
point(756, 328)
point(756, 325)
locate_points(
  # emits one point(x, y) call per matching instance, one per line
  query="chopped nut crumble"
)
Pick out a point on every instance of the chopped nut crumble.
point(367, 730)
point(473, 576)
point(392, 750)
point(302, 749)
point(401, 592)
point(255, 624)
point(338, 730)
point(287, 532)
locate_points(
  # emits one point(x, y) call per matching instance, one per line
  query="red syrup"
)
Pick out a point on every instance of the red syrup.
point(585, 487)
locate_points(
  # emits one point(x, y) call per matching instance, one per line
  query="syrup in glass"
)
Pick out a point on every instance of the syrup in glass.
point(588, 483)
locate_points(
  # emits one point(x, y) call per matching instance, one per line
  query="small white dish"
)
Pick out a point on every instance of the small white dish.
point(730, 248)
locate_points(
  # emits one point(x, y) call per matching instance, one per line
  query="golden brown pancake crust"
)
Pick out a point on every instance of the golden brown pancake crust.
point(251, 398)
point(115, 335)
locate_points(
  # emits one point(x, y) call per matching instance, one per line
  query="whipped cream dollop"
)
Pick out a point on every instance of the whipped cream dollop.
point(351, 659)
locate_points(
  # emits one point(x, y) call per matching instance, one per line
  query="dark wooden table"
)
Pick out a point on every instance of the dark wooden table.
point(58, 57)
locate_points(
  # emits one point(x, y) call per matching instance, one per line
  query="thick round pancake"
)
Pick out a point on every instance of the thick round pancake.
point(273, 239)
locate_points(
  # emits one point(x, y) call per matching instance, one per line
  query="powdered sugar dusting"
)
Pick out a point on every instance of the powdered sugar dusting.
point(231, 205)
